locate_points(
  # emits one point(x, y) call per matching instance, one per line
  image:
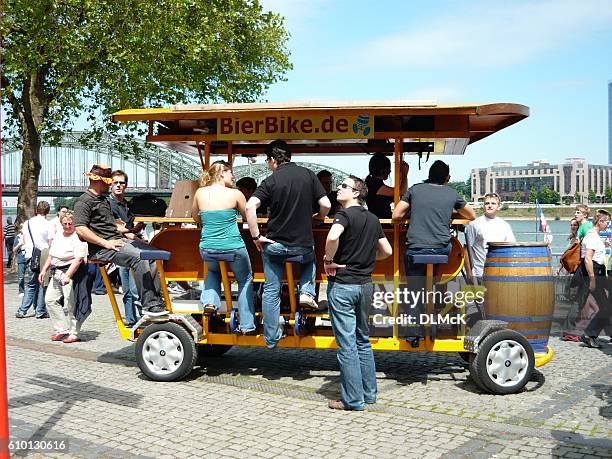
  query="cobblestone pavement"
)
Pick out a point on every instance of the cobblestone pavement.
point(258, 403)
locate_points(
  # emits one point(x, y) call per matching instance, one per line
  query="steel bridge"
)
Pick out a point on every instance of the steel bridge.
point(153, 171)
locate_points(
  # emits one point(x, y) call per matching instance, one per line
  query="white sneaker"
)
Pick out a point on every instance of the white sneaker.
point(306, 301)
point(21, 295)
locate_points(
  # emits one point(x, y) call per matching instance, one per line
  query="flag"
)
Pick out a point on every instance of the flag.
point(543, 224)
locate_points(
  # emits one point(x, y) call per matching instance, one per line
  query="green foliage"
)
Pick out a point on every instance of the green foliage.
point(533, 195)
point(70, 58)
point(517, 196)
point(99, 56)
point(463, 188)
point(608, 194)
point(592, 197)
point(577, 198)
point(548, 196)
point(61, 201)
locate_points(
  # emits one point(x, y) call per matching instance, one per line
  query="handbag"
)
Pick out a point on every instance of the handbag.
point(36, 254)
point(570, 260)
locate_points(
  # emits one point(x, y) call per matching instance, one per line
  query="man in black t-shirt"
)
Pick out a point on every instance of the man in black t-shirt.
point(354, 243)
point(96, 225)
point(289, 194)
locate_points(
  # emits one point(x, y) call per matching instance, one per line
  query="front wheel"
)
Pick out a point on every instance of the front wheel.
point(165, 352)
point(504, 362)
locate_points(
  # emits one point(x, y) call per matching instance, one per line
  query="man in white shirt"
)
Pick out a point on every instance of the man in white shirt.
point(35, 234)
point(486, 228)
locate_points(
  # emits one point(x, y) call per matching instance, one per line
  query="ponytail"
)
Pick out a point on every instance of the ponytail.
point(213, 174)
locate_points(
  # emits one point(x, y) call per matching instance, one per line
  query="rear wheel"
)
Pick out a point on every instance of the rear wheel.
point(504, 362)
point(165, 352)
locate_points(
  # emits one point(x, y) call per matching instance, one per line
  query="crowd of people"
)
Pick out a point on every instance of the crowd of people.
point(590, 283)
point(101, 229)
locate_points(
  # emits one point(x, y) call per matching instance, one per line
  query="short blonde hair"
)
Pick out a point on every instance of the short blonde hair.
point(69, 214)
point(583, 208)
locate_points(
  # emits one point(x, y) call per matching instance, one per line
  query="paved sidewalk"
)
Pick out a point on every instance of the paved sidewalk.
point(258, 403)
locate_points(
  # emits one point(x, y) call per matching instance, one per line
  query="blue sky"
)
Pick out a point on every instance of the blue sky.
point(553, 56)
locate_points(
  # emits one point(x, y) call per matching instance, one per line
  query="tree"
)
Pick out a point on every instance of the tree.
point(517, 196)
point(555, 197)
point(463, 188)
point(608, 194)
point(548, 196)
point(61, 201)
point(592, 197)
point(64, 58)
point(533, 195)
point(577, 198)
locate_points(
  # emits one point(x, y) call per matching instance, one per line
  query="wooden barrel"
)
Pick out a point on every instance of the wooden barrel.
point(520, 291)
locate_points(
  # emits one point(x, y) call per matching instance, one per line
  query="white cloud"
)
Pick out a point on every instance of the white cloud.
point(297, 13)
point(487, 34)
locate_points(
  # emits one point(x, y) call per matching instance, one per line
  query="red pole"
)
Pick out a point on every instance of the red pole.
point(4, 423)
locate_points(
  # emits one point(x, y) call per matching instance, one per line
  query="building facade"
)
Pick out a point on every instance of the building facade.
point(573, 177)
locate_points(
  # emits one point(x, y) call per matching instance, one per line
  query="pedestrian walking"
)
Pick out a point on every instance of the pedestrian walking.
point(9, 240)
point(594, 268)
point(19, 259)
point(36, 242)
point(66, 253)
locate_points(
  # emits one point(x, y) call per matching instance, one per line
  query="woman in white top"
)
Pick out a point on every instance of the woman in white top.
point(66, 253)
point(594, 264)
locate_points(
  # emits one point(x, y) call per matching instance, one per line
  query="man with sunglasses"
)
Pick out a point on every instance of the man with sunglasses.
point(354, 243)
point(124, 216)
point(289, 194)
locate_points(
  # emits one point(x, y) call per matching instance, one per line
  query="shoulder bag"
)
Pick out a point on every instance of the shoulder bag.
point(570, 260)
point(36, 254)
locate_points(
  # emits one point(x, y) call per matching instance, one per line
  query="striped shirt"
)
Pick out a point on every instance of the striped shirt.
point(9, 231)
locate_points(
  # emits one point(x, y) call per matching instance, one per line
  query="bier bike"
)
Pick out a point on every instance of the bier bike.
point(506, 342)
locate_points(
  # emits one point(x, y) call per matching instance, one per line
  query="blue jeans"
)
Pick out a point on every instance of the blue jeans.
point(21, 268)
point(130, 294)
point(274, 256)
point(34, 294)
point(349, 307)
point(241, 267)
point(416, 277)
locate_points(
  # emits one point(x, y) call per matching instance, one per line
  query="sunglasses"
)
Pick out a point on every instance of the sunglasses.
point(120, 183)
point(345, 186)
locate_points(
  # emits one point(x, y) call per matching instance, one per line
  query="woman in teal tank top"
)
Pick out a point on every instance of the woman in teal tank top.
point(215, 206)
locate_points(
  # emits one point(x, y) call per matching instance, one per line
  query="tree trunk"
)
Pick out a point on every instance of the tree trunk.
point(30, 172)
point(35, 107)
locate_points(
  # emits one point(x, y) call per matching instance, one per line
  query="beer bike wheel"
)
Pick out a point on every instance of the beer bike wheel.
point(504, 362)
point(165, 352)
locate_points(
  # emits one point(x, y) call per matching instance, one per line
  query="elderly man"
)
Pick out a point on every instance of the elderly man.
point(354, 243)
point(96, 225)
point(289, 193)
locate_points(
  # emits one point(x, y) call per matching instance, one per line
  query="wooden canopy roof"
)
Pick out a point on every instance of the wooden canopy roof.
point(325, 127)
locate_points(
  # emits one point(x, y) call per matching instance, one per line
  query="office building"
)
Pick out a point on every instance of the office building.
point(573, 176)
